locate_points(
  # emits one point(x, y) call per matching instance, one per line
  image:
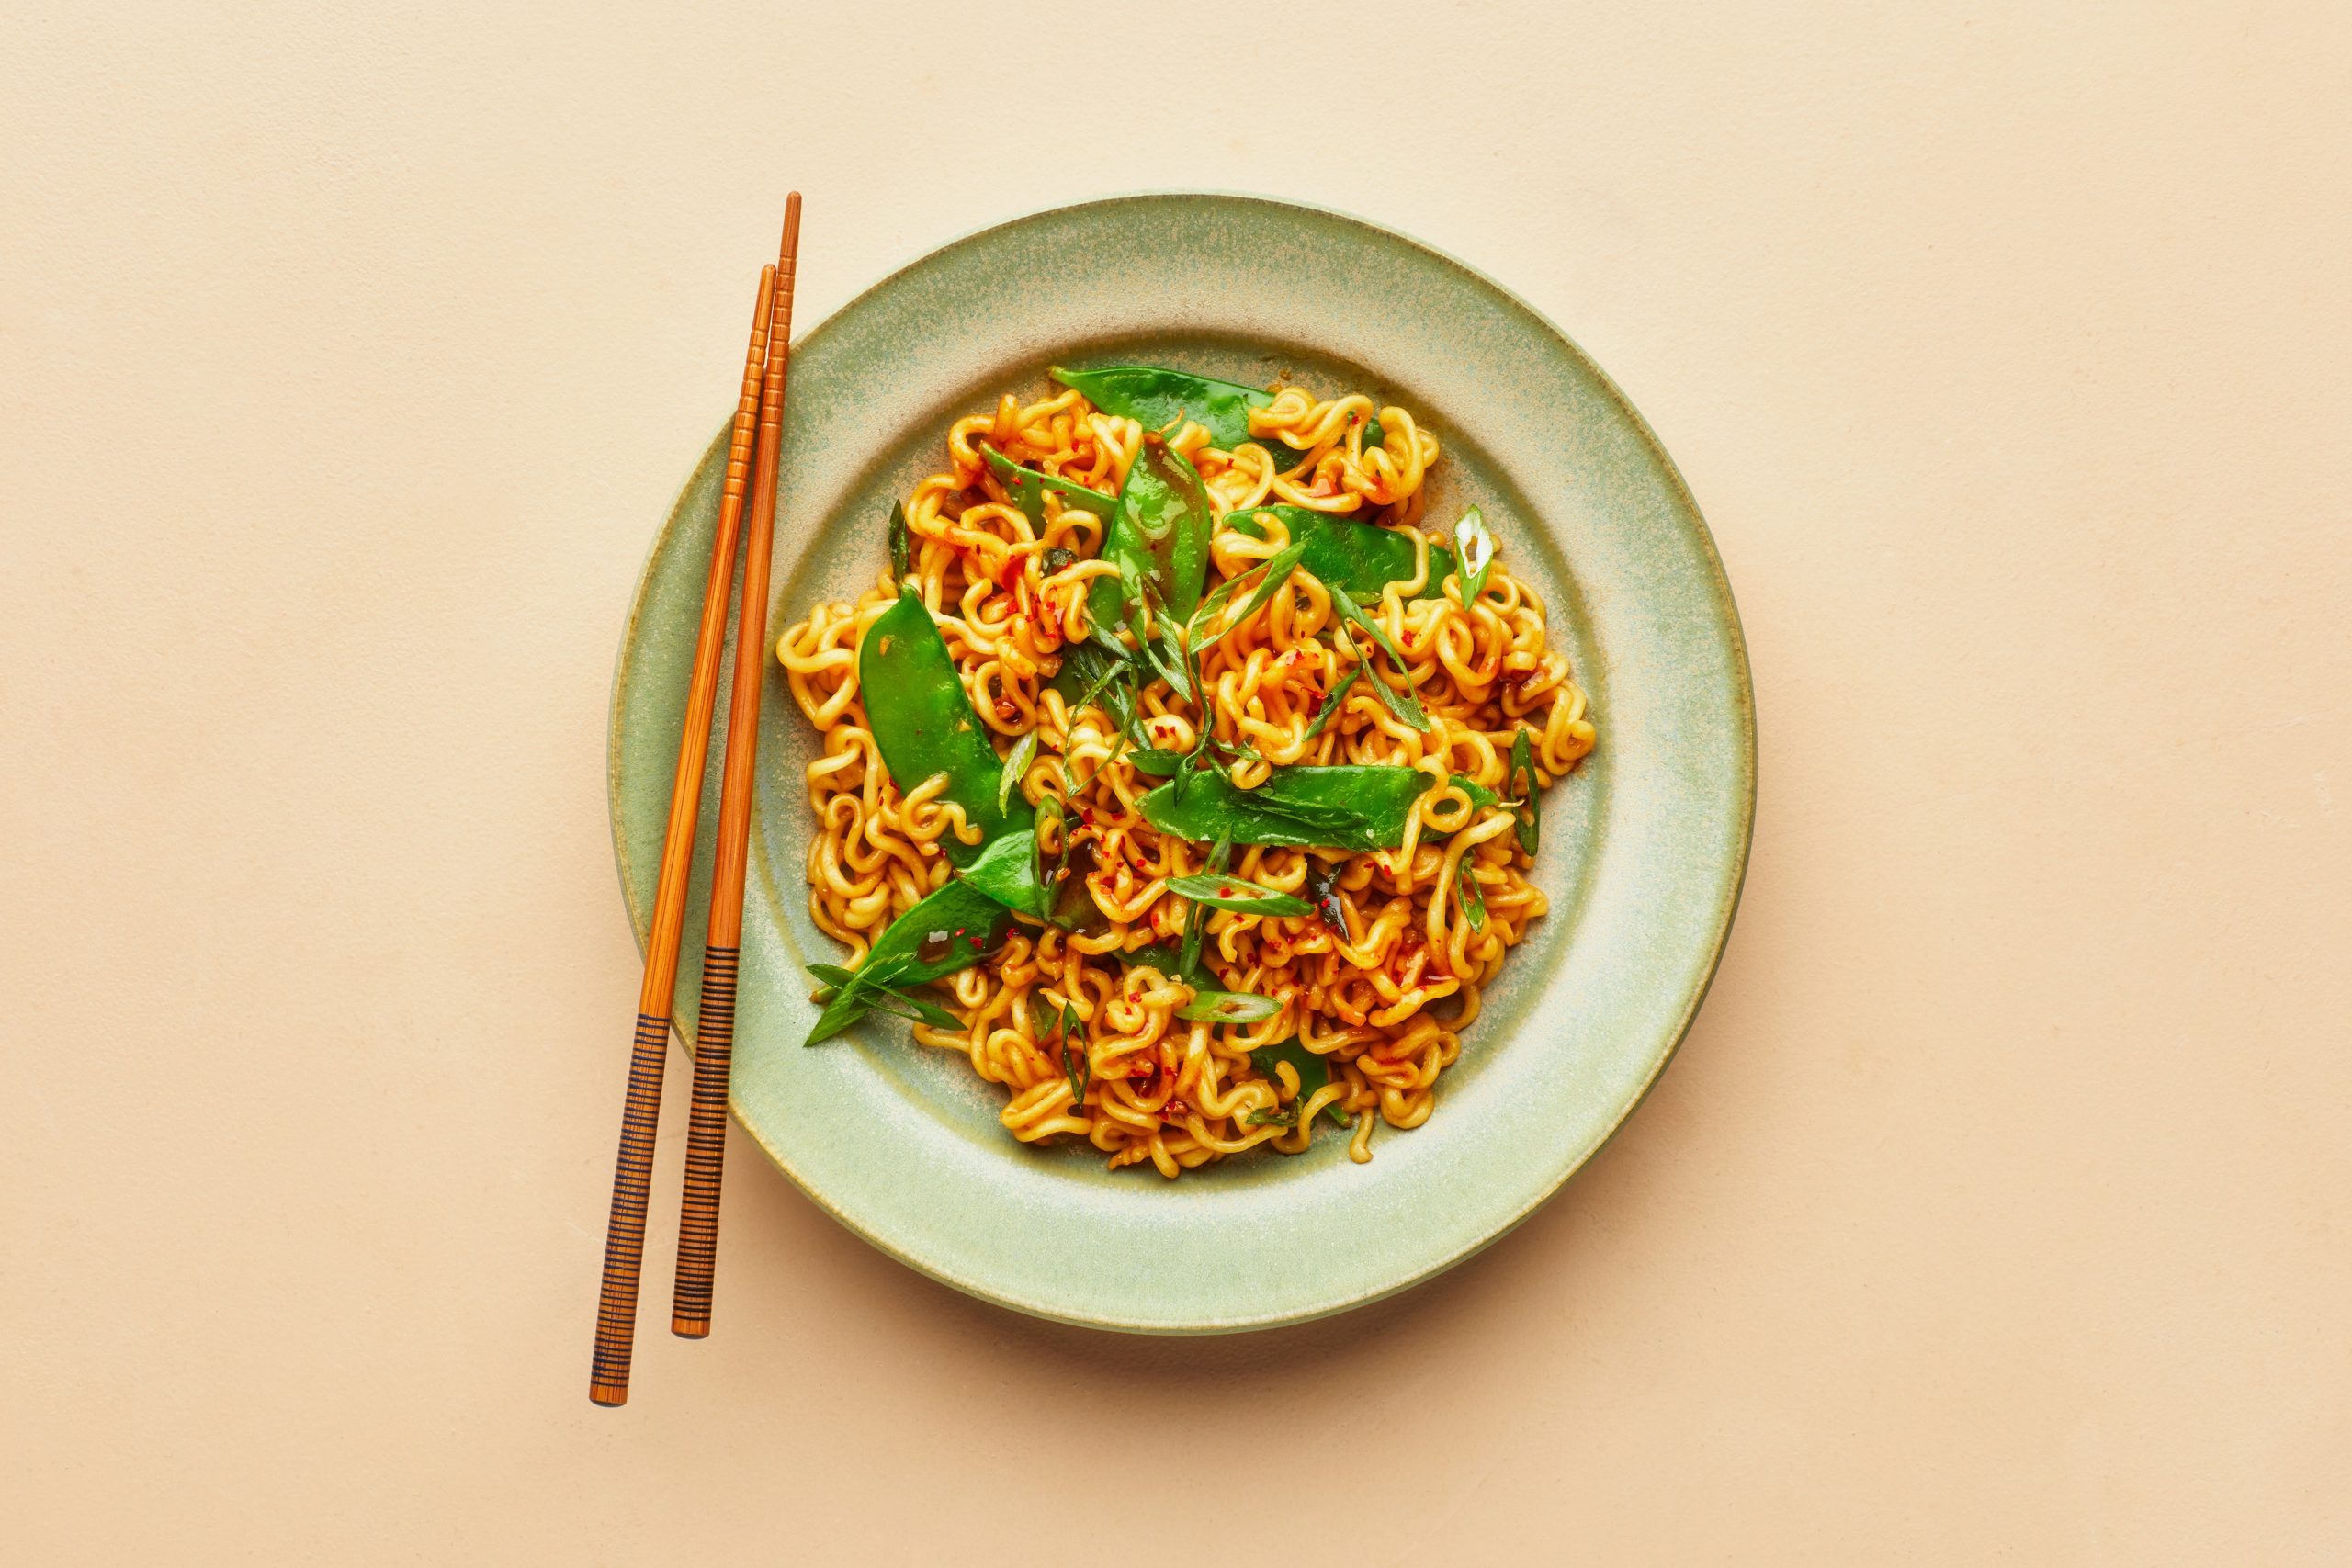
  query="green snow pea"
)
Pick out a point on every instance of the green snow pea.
point(1361, 557)
point(1006, 870)
point(1028, 487)
point(1157, 399)
point(1348, 807)
point(923, 723)
point(953, 928)
point(1160, 530)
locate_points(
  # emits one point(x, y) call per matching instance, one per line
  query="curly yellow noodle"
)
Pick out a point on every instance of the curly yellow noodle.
point(1160, 1089)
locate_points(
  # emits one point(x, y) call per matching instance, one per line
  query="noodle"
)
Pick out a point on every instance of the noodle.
point(1157, 1089)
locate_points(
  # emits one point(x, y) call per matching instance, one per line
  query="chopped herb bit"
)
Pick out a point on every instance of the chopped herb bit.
point(902, 542)
point(1016, 767)
point(1196, 924)
point(1323, 891)
point(1228, 1006)
point(1354, 613)
point(1474, 903)
point(1332, 703)
point(1521, 783)
point(1071, 1031)
point(1233, 892)
point(1277, 570)
point(1475, 548)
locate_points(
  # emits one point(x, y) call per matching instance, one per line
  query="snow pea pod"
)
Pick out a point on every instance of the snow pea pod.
point(1006, 870)
point(1027, 487)
point(1160, 530)
point(953, 928)
point(923, 723)
point(1361, 557)
point(1359, 807)
point(1157, 399)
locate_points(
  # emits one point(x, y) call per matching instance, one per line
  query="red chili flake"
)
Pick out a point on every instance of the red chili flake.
point(978, 942)
point(1225, 892)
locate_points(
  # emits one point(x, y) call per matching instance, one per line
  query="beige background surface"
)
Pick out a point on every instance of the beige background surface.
point(1998, 1208)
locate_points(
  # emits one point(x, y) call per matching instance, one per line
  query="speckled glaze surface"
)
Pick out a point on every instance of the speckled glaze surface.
point(1643, 847)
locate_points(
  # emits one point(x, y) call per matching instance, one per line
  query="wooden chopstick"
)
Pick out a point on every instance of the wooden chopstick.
point(633, 1171)
point(715, 1030)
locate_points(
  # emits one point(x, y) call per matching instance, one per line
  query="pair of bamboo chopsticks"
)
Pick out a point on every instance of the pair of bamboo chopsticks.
point(752, 456)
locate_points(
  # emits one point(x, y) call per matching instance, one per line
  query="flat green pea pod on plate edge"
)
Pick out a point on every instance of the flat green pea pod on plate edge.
point(1159, 399)
point(953, 928)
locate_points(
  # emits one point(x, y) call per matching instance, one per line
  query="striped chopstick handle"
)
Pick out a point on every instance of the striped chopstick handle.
point(641, 1110)
point(625, 1232)
point(706, 1146)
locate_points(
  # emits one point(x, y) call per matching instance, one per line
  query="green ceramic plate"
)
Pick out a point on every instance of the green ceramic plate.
point(1643, 847)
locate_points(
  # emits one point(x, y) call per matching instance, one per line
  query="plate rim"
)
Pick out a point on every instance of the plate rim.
point(1728, 620)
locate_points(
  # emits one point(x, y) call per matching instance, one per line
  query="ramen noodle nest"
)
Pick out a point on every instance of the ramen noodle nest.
point(1173, 775)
